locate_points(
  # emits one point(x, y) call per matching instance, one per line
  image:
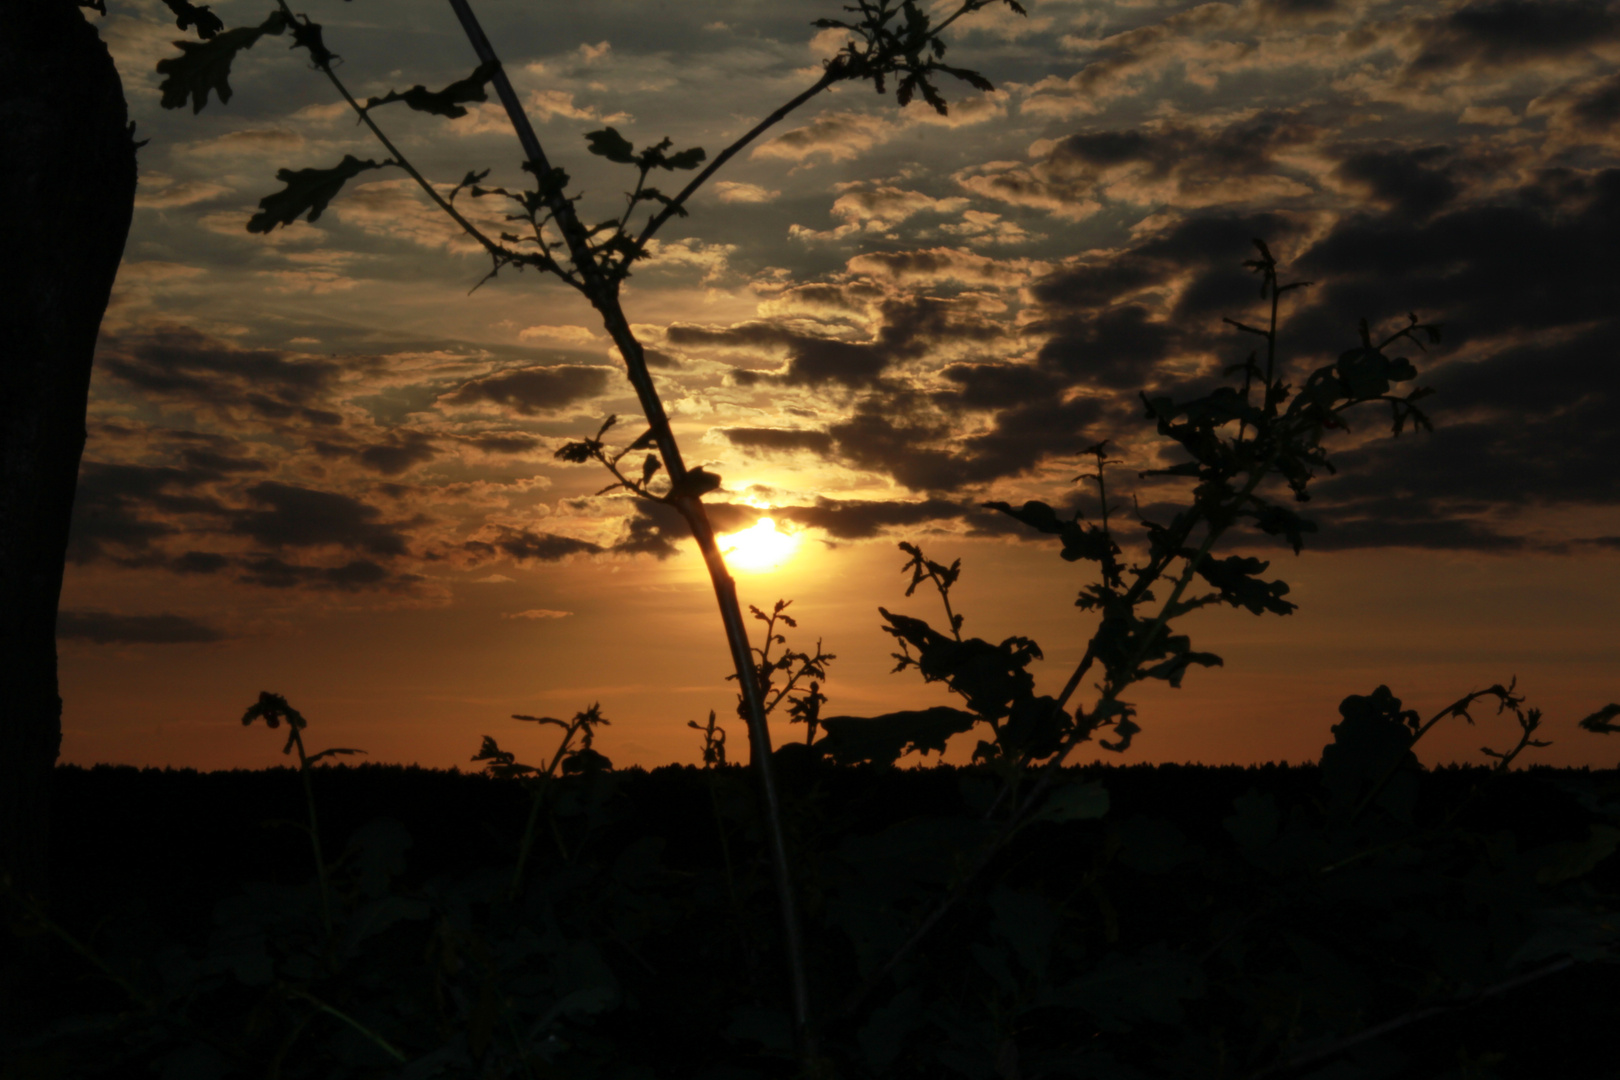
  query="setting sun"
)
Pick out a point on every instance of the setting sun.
point(760, 547)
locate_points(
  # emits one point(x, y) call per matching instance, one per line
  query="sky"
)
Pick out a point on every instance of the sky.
point(321, 462)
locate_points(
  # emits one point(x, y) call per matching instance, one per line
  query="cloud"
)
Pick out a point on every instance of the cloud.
point(106, 628)
point(537, 613)
point(732, 191)
point(156, 191)
point(908, 328)
point(398, 452)
point(777, 440)
point(1492, 35)
point(530, 390)
point(183, 364)
point(273, 573)
point(304, 517)
point(942, 264)
point(128, 508)
point(522, 545)
point(866, 519)
point(838, 136)
point(561, 335)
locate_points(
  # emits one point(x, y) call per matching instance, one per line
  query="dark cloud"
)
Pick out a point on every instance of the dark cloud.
point(1106, 322)
point(1415, 181)
point(106, 628)
point(530, 390)
point(521, 545)
point(398, 452)
point(1507, 33)
point(864, 519)
point(198, 562)
point(504, 443)
point(304, 517)
point(652, 529)
point(779, 440)
point(271, 409)
point(130, 507)
point(178, 362)
point(274, 573)
point(909, 328)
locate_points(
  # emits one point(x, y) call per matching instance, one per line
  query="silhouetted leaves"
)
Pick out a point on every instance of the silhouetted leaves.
point(308, 191)
point(187, 15)
point(447, 102)
point(206, 66)
point(885, 739)
point(1235, 577)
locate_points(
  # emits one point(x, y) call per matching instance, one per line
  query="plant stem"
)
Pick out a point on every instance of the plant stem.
point(603, 295)
point(371, 1036)
point(1299, 1061)
point(314, 830)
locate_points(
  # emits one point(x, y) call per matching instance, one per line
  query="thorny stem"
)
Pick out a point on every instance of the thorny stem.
point(603, 295)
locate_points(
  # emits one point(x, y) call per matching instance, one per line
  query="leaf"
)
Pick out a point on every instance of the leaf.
point(1151, 845)
point(1599, 721)
point(771, 1028)
point(1084, 801)
point(1570, 859)
point(610, 144)
point(378, 849)
point(1026, 921)
point(1120, 992)
point(1037, 515)
point(695, 484)
point(313, 758)
point(1373, 737)
point(446, 102)
point(884, 1034)
point(205, 66)
point(684, 159)
point(884, 739)
point(307, 190)
point(1253, 821)
point(1234, 577)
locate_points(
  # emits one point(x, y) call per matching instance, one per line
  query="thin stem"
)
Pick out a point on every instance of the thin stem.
point(536, 800)
point(676, 204)
point(366, 1033)
point(495, 250)
point(314, 829)
point(603, 295)
point(1299, 1061)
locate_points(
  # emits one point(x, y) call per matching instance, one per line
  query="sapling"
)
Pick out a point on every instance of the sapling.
point(888, 40)
point(504, 764)
point(273, 710)
point(1229, 467)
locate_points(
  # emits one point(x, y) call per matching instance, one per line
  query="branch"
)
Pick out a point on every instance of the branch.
point(675, 205)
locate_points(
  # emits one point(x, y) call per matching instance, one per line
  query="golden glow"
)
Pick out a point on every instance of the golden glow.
point(758, 548)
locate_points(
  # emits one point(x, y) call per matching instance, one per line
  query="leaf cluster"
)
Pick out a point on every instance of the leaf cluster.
point(900, 40)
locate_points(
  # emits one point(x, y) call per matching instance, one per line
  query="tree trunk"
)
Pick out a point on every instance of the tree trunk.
point(67, 192)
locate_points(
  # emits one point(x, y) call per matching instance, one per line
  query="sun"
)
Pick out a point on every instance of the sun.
point(759, 548)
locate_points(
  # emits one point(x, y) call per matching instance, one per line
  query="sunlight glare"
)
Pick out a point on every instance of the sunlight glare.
point(760, 547)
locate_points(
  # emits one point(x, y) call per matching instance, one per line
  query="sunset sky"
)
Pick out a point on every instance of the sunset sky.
point(319, 465)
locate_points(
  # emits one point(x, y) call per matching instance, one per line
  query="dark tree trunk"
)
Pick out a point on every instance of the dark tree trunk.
point(67, 191)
